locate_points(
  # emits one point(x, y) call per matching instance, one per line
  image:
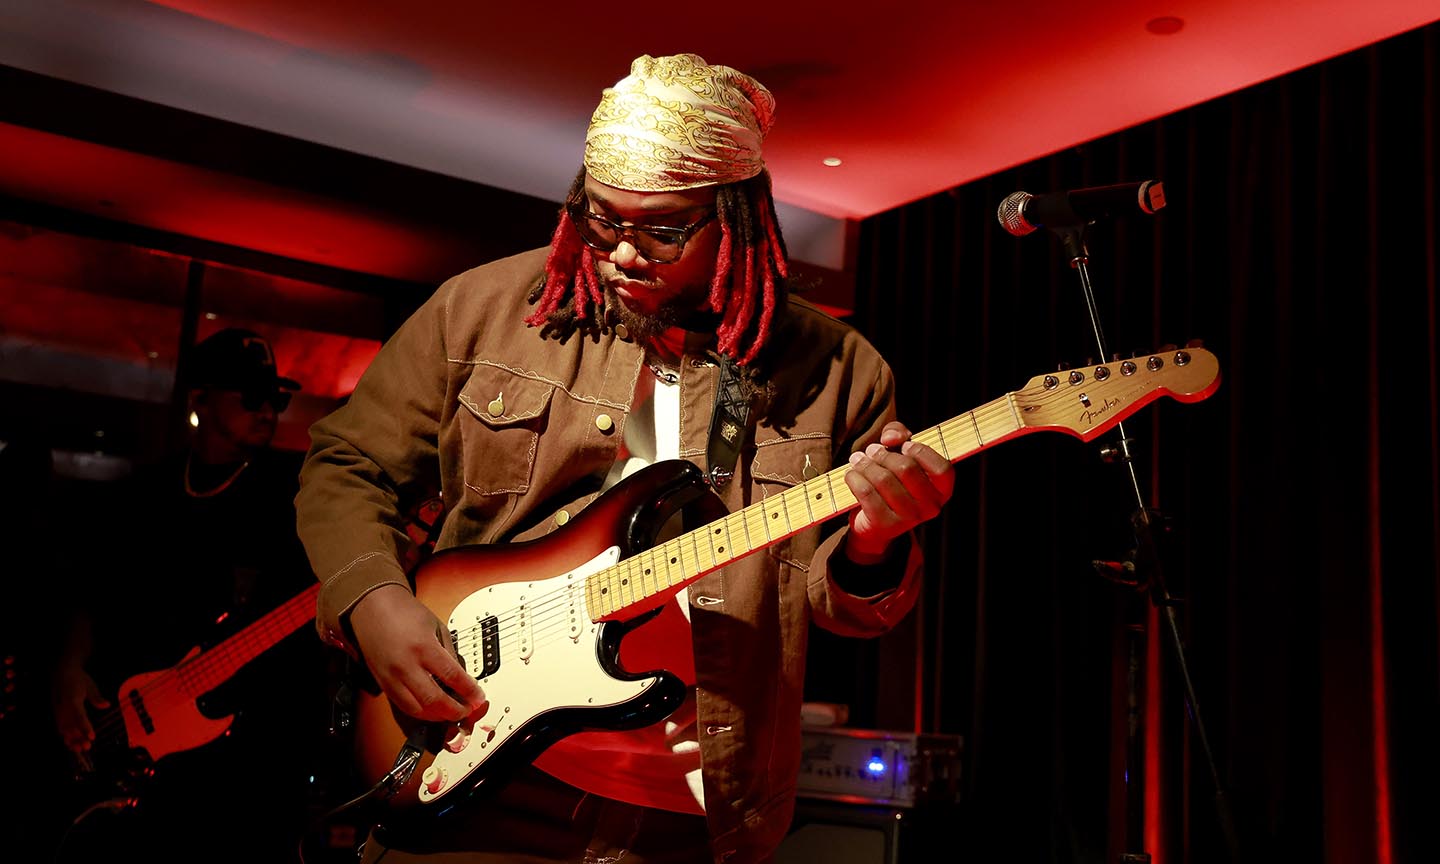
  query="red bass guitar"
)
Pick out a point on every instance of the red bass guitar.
point(155, 714)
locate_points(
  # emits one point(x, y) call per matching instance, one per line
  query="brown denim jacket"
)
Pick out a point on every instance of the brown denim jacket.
point(516, 430)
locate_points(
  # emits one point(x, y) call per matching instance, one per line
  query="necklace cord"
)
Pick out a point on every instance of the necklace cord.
point(190, 489)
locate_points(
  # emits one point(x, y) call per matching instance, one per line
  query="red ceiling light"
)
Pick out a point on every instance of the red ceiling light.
point(1165, 25)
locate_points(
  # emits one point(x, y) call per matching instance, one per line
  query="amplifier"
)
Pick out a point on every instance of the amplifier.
point(894, 769)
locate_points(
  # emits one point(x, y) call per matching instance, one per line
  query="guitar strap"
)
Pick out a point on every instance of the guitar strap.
point(728, 423)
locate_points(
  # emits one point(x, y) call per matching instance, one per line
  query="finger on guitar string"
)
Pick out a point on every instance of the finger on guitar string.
point(438, 687)
point(471, 699)
point(457, 682)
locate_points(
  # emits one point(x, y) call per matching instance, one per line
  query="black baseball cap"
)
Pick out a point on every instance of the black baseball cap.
point(237, 359)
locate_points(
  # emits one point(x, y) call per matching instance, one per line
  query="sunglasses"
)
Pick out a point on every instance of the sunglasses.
point(254, 400)
point(659, 244)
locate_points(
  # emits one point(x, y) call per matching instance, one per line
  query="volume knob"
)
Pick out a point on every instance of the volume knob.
point(433, 779)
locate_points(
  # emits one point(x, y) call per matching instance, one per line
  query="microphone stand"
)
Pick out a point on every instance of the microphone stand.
point(1143, 572)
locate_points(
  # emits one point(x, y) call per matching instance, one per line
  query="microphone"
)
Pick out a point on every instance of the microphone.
point(1020, 212)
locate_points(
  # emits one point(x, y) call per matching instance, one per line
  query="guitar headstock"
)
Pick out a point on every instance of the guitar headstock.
point(1089, 400)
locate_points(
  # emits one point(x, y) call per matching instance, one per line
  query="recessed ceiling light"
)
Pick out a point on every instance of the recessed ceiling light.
point(211, 316)
point(1165, 25)
point(831, 161)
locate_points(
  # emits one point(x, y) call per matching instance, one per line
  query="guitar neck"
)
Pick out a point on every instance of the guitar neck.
point(664, 569)
point(214, 667)
point(1080, 402)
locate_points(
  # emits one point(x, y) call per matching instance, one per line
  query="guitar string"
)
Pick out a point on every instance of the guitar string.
point(542, 625)
point(556, 601)
point(980, 417)
point(547, 607)
point(546, 633)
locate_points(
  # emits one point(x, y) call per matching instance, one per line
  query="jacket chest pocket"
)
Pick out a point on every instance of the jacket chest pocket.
point(500, 429)
point(779, 466)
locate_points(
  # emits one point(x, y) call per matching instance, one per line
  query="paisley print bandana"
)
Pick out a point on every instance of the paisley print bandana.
point(678, 123)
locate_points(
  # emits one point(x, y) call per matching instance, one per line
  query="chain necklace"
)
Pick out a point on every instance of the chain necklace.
point(190, 490)
point(666, 375)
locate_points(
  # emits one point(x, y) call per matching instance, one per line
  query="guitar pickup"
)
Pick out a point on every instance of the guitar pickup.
point(137, 704)
point(489, 647)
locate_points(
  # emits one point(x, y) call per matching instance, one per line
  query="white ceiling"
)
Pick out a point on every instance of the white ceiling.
point(913, 97)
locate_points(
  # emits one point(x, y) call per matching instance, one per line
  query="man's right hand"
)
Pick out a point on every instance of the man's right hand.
point(409, 653)
point(71, 691)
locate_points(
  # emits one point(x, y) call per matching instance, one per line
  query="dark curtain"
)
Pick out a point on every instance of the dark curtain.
point(1295, 511)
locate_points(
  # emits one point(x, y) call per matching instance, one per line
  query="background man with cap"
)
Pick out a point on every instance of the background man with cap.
point(656, 326)
point(235, 401)
point(192, 549)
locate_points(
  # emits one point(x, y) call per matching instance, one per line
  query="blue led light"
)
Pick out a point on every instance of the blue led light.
point(876, 766)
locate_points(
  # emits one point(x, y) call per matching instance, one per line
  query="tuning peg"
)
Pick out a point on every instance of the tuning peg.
point(1168, 346)
point(1195, 343)
point(1062, 366)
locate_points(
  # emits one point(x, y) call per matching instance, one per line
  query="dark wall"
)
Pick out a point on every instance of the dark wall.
point(1298, 503)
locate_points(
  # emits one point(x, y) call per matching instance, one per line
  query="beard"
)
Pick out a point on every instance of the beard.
point(647, 328)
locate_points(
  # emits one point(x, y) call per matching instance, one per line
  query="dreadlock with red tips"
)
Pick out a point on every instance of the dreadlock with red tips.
point(569, 272)
point(749, 285)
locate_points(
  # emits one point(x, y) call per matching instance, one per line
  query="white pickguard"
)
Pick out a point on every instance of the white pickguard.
point(549, 661)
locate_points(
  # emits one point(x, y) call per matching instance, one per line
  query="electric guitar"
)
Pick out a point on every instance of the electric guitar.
point(539, 623)
point(155, 714)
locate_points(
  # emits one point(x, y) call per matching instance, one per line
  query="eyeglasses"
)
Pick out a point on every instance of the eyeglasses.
point(254, 400)
point(658, 243)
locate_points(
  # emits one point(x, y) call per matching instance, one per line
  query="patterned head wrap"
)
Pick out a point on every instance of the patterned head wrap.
point(677, 123)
